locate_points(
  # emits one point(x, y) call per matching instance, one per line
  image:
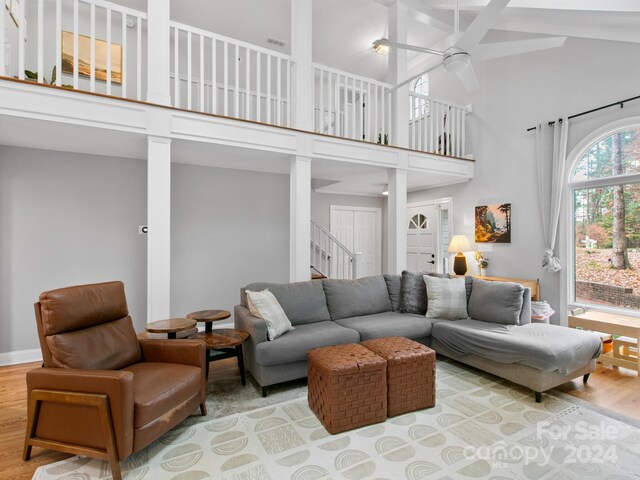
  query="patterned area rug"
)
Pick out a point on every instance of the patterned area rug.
point(481, 428)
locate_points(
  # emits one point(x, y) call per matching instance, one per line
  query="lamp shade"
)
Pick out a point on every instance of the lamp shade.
point(459, 243)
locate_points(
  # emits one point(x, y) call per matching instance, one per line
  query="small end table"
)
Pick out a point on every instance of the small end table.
point(170, 326)
point(221, 342)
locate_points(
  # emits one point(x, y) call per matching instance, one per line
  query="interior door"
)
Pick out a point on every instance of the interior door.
point(422, 238)
point(359, 229)
point(343, 229)
point(364, 242)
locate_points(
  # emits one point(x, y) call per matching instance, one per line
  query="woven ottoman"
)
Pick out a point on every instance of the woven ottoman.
point(347, 386)
point(411, 373)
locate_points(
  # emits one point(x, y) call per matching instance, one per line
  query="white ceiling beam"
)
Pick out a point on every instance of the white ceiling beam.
point(421, 11)
point(600, 32)
point(630, 6)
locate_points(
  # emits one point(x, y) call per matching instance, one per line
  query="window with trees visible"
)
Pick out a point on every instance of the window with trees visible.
point(606, 213)
point(420, 106)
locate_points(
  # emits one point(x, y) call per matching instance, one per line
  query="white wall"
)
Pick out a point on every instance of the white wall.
point(229, 228)
point(515, 94)
point(67, 219)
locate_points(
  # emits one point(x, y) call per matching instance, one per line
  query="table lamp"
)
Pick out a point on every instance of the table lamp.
point(459, 244)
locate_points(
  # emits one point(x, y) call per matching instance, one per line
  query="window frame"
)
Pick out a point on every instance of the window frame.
point(421, 110)
point(567, 241)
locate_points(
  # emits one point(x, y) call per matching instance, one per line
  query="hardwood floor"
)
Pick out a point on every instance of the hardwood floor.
point(610, 387)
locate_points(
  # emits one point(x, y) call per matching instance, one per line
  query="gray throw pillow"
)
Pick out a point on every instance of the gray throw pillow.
point(413, 292)
point(394, 289)
point(496, 302)
point(447, 298)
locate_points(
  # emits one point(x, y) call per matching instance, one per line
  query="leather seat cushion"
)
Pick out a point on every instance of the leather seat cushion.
point(160, 387)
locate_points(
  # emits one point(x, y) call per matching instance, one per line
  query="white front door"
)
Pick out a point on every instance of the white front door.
point(423, 238)
point(360, 230)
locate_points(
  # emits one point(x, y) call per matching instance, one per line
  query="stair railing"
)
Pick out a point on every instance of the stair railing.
point(329, 256)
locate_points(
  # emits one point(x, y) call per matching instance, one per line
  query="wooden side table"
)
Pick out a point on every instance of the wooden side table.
point(170, 326)
point(221, 342)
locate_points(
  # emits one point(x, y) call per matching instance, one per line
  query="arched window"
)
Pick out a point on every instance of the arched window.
point(605, 189)
point(420, 106)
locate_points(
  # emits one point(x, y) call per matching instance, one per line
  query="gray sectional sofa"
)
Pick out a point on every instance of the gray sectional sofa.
point(331, 312)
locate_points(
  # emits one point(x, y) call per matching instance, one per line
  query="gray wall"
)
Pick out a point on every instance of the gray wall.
point(516, 93)
point(229, 228)
point(67, 219)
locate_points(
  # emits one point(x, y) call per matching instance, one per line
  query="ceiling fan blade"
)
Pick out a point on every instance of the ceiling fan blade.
point(487, 51)
point(411, 79)
point(481, 25)
point(416, 48)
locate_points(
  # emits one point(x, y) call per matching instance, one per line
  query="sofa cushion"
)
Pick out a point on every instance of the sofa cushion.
point(158, 388)
point(394, 288)
point(351, 298)
point(388, 324)
point(496, 302)
point(413, 292)
point(447, 298)
point(303, 302)
point(294, 345)
point(545, 347)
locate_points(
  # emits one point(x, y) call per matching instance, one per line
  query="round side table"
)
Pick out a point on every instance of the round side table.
point(208, 317)
point(170, 326)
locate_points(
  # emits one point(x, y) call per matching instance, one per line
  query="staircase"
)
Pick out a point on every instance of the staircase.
point(329, 257)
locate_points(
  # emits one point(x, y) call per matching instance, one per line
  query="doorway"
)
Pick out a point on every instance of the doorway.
point(360, 230)
point(428, 235)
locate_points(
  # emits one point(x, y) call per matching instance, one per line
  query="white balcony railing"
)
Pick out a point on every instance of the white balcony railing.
point(216, 74)
point(350, 106)
point(60, 46)
point(436, 126)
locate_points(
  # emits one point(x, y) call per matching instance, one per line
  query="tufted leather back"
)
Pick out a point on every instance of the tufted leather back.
point(87, 327)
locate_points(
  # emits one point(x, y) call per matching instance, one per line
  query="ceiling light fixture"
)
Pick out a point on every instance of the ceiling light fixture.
point(382, 46)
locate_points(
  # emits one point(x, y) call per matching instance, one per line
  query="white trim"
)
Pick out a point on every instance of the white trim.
point(567, 274)
point(378, 211)
point(20, 356)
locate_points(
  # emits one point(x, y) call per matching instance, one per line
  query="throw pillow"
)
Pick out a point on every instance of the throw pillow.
point(496, 302)
point(447, 298)
point(413, 292)
point(265, 305)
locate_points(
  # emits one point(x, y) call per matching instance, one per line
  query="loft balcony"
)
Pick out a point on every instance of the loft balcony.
point(102, 47)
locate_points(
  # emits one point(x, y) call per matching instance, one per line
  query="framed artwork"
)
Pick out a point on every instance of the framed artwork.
point(493, 223)
point(84, 57)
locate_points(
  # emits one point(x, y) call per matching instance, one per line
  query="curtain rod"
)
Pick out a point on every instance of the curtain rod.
point(621, 103)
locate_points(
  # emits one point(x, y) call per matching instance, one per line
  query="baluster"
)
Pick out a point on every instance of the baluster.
point(189, 73)
point(225, 92)
point(321, 130)
point(463, 135)
point(288, 66)
point(374, 105)
point(201, 99)
point(345, 110)
point(458, 130)
point(214, 76)
point(258, 89)
point(383, 126)
point(123, 80)
point(279, 91)
point(236, 93)
point(425, 122)
point(75, 43)
point(176, 67)
point(108, 51)
point(354, 134)
point(269, 89)
point(21, 42)
point(247, 84)
point(58, 43)
point(2, 36)
point(369, 110)
point(40, 40)
point(139, 58)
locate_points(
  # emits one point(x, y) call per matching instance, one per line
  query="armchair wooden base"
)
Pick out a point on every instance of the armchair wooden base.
point(98, 401)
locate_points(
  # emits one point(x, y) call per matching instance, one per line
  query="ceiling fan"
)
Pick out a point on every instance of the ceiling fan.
point(463, 48)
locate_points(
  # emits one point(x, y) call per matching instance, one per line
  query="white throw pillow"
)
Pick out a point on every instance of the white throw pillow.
point(447, 298)
point(265, 305)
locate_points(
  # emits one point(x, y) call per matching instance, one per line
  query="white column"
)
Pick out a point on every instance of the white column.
point(302, 78)
point(397, 230)
point(158, 59)
point(398, 73)
point(299, 219)
point(3, 60)
point(159, 222)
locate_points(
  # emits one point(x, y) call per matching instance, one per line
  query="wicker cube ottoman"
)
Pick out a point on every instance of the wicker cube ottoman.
point(347, 386)
point(411, 373)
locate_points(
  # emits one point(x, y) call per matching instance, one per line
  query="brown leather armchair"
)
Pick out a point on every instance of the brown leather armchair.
point(102, 392)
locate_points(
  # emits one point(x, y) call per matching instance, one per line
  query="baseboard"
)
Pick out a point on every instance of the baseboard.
point(20, 356)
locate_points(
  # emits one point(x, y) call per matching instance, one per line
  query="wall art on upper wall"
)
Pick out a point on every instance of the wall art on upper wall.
point(84, 57)
point(493, 223)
